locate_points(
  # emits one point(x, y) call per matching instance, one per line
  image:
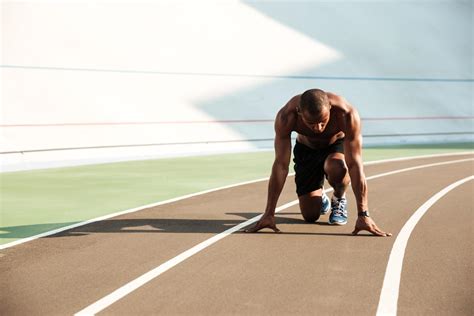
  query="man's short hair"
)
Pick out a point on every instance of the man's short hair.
point(313, 101)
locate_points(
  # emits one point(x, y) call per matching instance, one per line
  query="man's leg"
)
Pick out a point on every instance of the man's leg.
point(338, 177)
point(336, 170)
point(310, 205)
point(309, 179)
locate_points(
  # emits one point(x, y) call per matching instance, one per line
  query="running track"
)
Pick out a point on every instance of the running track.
point(309, 269)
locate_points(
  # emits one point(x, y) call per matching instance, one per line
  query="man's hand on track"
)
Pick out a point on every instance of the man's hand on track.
point(367, 223)
point(267, 221)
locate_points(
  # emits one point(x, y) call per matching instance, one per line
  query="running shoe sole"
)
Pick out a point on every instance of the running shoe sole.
point(337, 223)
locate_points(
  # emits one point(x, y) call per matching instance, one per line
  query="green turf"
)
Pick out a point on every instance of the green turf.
point(37, 201)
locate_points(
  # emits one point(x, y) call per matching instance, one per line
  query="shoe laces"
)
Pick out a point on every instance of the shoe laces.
point(338, 206)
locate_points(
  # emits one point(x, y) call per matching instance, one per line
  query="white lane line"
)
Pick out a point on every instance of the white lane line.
point(418, 167)
point(139, 208)
point(391, 283)
point(147, 277)
point(376, 162)
point(98, 219)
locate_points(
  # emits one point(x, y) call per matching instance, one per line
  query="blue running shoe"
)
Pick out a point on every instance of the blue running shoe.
point(325, 204)
point(338, 211)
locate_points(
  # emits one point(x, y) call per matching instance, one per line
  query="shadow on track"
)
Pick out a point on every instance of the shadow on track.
point(157, 225)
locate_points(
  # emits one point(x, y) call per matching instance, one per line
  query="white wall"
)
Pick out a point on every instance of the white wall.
point(100, 73)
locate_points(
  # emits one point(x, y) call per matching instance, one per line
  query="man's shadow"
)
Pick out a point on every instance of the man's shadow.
point(177, 225)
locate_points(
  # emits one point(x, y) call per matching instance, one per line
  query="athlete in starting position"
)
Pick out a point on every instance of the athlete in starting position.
point(328, 144)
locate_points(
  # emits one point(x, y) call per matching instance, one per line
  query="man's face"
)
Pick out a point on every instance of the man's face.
point(316, 123)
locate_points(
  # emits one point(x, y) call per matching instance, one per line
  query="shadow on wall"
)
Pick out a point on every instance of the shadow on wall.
point(382, 55)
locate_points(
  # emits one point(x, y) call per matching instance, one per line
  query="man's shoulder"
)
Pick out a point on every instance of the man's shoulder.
point(339, 102)
point(289, 108)
point(287, 115)
point(342, 109)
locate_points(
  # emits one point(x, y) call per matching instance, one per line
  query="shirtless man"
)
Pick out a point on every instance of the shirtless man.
point(328, 144)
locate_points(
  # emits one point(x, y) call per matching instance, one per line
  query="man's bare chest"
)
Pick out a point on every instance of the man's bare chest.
point(331, 133)
point(332, 128)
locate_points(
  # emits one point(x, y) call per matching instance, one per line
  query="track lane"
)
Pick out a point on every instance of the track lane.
point(305, 270)
point(437, 274)
point(84, 264)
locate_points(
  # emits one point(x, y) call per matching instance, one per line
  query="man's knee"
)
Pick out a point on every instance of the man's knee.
point(336, 170)
point(310, 217)
point(310, 206)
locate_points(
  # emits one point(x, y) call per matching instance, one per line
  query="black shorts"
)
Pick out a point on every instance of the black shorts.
point(309, 165)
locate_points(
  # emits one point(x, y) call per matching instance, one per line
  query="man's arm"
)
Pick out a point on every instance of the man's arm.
point(279, 171)
point(353, 157)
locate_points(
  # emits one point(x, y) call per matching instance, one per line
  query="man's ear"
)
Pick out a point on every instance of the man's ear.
point(298, 110)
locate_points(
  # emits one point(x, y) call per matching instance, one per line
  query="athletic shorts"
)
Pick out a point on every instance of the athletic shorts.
point(309, 165)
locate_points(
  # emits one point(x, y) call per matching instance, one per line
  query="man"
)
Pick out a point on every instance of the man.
point(328, 144)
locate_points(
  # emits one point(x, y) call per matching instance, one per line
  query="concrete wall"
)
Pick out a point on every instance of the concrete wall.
point(176, 78)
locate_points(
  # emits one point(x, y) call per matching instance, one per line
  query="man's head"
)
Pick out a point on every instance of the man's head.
point(314, 109)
